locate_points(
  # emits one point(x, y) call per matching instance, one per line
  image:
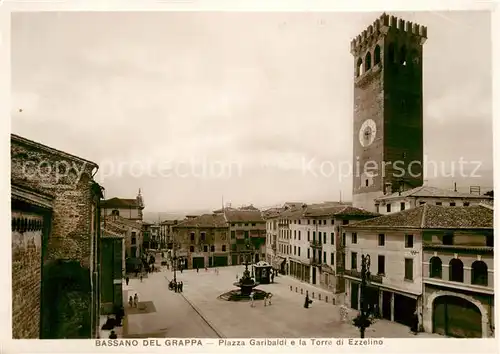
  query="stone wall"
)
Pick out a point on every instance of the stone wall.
point(26, 274)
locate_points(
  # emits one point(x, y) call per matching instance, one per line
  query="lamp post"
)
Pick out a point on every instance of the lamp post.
point(362, 321)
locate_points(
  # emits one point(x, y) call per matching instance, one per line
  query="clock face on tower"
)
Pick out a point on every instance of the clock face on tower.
point(367, 132)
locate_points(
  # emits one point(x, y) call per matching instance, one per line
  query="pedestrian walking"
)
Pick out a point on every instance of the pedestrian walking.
point(131, 301)
point(272, 277)
point(269, 297)
point(141, 277)
point(181, 286)
point(113, 335)
point(251, 299)
point(237, 277)
point(307, 301)
point(197, 270)
point(136, 300)
point(127, 279)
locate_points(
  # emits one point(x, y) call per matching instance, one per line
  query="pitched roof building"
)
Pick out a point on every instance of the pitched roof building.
point(431, 259)
point(398, 201)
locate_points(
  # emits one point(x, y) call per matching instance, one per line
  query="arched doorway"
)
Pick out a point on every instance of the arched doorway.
point(456, 317)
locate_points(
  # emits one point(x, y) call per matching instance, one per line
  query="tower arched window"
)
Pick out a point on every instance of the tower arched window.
point(359, 67)
point(479, 274)
point(376, 55)
point(402, 56)
point(368, 61)
point(456, 270)
point(436, 267)
point(391, 53)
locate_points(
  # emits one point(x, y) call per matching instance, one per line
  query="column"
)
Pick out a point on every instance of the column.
point(392, 306)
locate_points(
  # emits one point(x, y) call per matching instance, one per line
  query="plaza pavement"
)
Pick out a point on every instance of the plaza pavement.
point(197, 312)
point(169, 316)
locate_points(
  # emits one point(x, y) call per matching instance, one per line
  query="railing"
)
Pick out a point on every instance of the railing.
point(315, 244)
point(356, 274)
point(316, 261)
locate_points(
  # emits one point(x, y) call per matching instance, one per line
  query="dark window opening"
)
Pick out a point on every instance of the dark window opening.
point(448, 239)
point(223, 248)
point(435, 267)
point(368, 61)
point(453, 203)
point(376, 55)
point(456, 270)
point(388, 208)
point(408, 241)
point(354, 260)
point(191, 248)
point(381, 265)
point(479, 274)
point(403, 206)
point(402, 56)
point(381, 240)
point(391, 53)
point(212, 248)
point(408, 269)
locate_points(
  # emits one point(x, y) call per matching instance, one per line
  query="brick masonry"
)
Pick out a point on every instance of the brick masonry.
point(26, 274)
point(73, 237)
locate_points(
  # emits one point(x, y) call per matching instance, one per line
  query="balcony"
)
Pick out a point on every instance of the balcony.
point(356, 274)
point(316, 262)
point(315, 244)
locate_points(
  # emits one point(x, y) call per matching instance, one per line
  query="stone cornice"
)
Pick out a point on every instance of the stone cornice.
point(31, 197)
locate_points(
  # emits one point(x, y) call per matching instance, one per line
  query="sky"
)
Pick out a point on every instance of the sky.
point(196, 108)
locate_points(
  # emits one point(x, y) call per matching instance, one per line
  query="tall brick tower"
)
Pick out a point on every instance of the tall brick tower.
point(388, 111)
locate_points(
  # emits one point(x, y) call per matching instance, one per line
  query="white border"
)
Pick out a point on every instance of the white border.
point(7, 345)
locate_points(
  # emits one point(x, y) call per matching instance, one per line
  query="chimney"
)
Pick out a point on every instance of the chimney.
point(388, 188)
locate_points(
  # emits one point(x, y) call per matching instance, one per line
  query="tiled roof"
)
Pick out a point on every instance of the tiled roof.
point(272, 213)
point(119, 203)
point(433, 217)
point(431, 192)
point(205, 220)
point(244, 215)
point(27, 142)
point(113, 219)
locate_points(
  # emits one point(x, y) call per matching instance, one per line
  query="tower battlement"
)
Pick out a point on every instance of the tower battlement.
point(383, 25)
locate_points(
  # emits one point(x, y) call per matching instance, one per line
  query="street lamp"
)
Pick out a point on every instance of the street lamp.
point(362, 321)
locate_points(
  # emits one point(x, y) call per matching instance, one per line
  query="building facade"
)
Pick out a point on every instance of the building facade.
point(272, 257)
point(399, 201)
point(408, 252)
point(388, 109)
point(458, 275)
point(56, 224)
point(201, 241)
point(133, 239)
point(112, 268)
point(131, 209)
point(247, 229)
